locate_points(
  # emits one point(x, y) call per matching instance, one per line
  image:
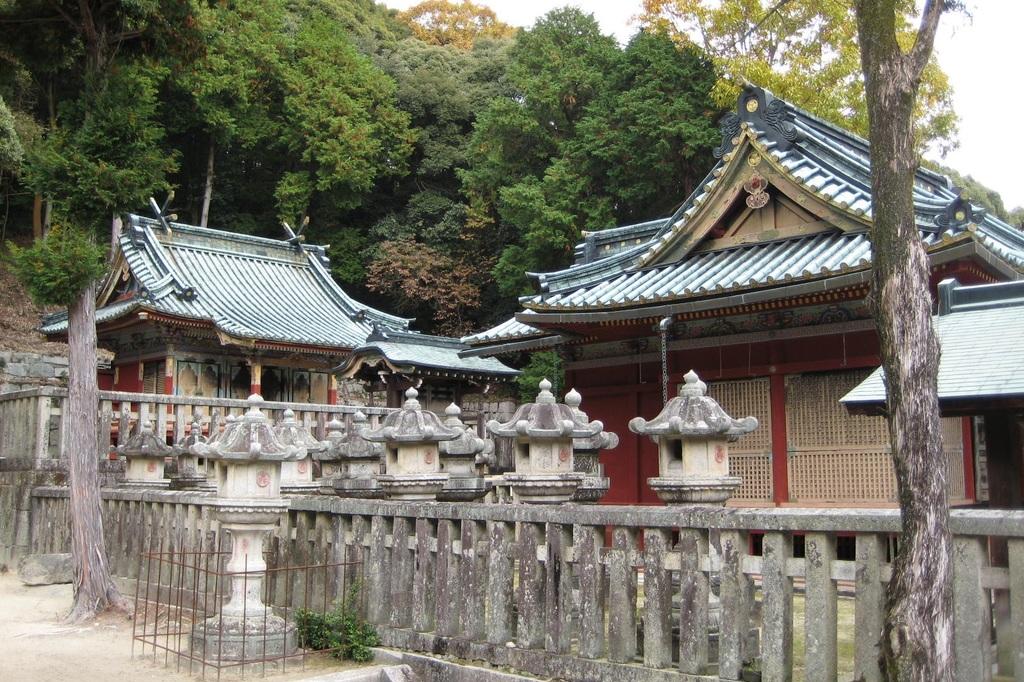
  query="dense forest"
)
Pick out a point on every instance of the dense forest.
point(441, 153)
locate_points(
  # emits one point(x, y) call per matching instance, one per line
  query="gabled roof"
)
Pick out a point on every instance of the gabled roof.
point(412, 353)
point(821, 169)
point(249, 289)
point(980, 330)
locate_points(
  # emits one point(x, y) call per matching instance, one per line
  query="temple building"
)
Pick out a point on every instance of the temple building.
point(758, 283)
point(199, 312)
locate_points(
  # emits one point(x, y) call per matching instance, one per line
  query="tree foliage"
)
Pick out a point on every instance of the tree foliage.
point(459, 24)
point(56, 268)
point(803, 51)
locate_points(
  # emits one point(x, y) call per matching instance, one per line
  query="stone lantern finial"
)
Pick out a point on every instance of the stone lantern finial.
point(412, 469)
point(462, 459)
point(585, 453)
point(693, 432)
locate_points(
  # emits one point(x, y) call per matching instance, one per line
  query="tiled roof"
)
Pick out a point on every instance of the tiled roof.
point(248, 287)
point(828, 162)
point(409, 349)
point(982, 348)
point(508, 330)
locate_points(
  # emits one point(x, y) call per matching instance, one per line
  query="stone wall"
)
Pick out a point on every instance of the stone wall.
point(28, 370)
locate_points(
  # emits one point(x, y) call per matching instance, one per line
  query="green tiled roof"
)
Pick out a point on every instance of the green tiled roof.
point(247, 287)
point(981, 331)
point(421, 351)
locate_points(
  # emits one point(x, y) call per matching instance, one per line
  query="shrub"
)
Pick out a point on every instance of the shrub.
point(342, 630)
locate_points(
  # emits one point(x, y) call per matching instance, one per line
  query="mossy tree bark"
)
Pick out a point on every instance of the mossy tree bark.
point(94, 588)
point(917, 641)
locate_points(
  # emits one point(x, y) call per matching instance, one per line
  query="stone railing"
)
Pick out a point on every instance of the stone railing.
point(31, 426)
point(583, 592)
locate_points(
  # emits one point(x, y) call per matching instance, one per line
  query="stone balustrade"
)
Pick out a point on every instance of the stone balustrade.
point(585, 592)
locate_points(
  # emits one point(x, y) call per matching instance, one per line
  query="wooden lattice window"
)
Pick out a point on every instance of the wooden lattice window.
point(750, 457)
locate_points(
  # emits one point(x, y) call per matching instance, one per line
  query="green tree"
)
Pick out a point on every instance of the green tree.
point(805, 52)
point(100, 64)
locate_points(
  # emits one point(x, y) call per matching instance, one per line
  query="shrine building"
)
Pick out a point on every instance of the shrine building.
point(759, 283)
point(198, 312)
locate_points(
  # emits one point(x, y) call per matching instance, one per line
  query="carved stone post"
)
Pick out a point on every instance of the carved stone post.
point(359, 461)
point(190, 474)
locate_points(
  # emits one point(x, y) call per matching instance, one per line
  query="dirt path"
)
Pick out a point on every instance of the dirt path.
point(35, 645)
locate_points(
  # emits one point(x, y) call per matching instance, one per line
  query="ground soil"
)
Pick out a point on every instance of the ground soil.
point(35, 645)
point(19, 317)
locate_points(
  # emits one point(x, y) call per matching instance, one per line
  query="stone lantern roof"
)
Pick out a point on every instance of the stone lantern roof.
point(251, 438)
point(350, 444)
point(291, 432)
point(195, 437)
point(692, 414)
point(602, 440)
point(145, 443)
point(545, 419)
point(411, 424)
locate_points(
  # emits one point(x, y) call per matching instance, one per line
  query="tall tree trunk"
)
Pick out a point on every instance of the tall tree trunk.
point(208, 191)
point(94, 589)
point(917, 642)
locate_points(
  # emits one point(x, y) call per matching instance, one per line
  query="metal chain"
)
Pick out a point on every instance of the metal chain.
point(663, 328)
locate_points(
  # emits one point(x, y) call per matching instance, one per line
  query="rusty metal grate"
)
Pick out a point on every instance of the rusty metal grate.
point(177, 592)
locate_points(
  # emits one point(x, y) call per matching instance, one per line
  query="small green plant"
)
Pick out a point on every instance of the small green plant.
point(342, 630)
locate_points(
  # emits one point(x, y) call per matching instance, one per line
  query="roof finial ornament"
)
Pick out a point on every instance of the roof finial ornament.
point(296, 238)
point(959, 212)
point(160, 212)
point(758, 109)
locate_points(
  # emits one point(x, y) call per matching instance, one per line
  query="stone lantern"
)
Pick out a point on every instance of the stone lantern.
point(145, 453)
point(463, 459)
point(248, 506)
point(544, 432)
point(190, 474)
point(412, 463)
point(359, 462)
point(585, 450)
point(297, 476)
point(693, 434)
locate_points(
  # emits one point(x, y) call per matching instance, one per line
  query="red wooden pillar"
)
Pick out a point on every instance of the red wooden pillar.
point(255, 376)
point(169, 375)
point(332, 389)
point(780, 443)
point(967, 431)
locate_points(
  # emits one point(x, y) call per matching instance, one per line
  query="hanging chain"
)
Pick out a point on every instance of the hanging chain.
point(663, 327)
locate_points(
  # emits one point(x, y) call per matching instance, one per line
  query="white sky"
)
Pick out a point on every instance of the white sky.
point(977, 53)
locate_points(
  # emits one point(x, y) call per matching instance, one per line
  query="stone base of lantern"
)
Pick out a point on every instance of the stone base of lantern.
point(592, 489)
point(189, 482)
point(259, 635)
point(544, 488)
point(464, 489)
point(707, 491)
point(359, 488)
point(413, 487)
point(150, 484)
point(300, 487)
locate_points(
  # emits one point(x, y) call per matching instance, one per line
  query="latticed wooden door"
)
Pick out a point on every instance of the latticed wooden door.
point(836, 457)
point(750, 457)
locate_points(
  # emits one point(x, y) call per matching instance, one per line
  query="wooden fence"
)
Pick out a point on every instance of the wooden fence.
point(589, 592)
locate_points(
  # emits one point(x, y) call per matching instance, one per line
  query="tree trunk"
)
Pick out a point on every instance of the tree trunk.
point(917, 642)
point(94, 589)
point(208, 191)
